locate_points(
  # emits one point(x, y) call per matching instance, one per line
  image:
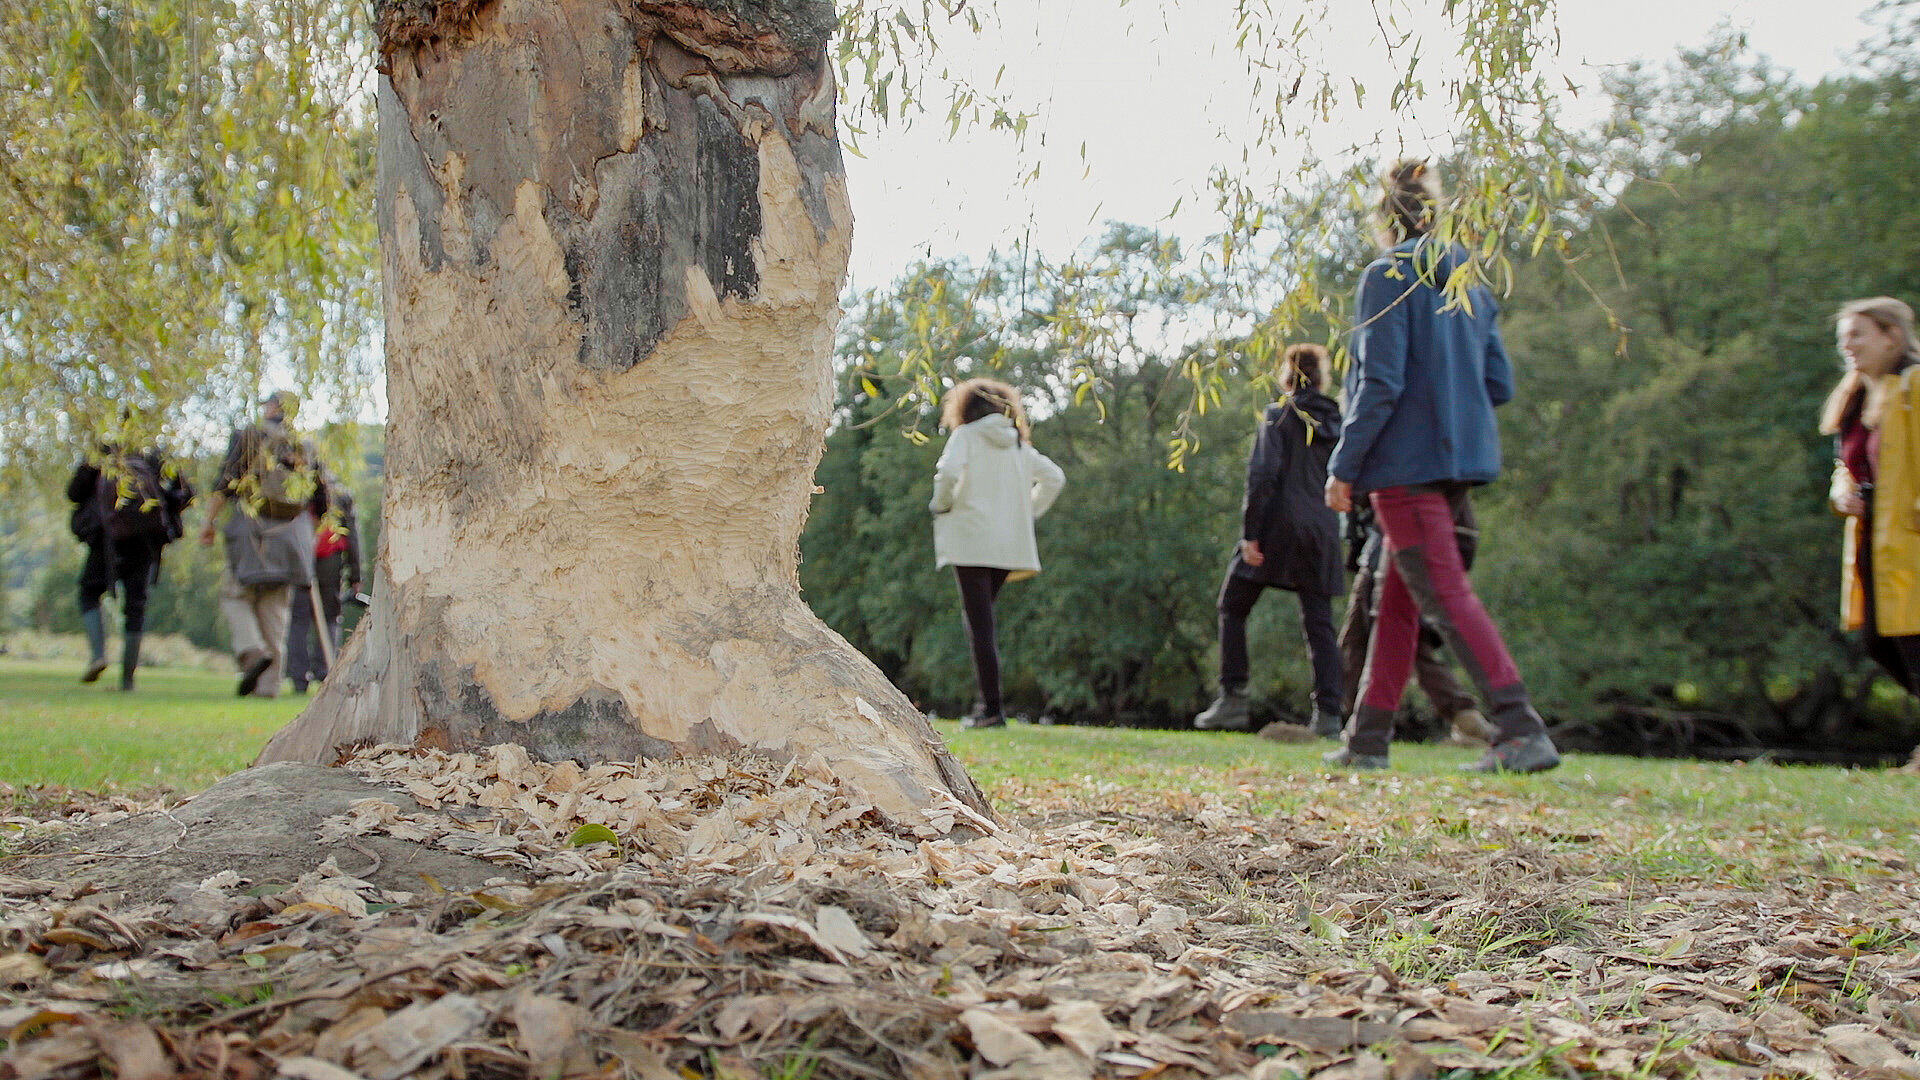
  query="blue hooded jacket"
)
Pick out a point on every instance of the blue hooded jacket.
point(1425, 380)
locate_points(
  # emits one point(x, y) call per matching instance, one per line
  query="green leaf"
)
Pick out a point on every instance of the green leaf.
point(592, 834)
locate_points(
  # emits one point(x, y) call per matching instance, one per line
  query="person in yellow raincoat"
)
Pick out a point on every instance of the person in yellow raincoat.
point(1876, 479)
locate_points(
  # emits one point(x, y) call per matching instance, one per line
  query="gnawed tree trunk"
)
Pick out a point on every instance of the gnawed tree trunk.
point(614, 234)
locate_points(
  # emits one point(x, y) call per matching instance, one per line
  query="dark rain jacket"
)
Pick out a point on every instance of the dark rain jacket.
point(1285, 508)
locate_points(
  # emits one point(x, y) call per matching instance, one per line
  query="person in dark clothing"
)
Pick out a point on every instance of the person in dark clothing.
point(336, 558)
point(1428, 372)
point(1467, 725)
point(125, 516)
point(1288, 540)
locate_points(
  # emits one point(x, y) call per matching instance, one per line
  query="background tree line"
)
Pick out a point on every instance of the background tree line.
point(1659, 548)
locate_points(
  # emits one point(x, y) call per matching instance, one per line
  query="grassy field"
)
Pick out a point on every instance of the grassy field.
point(180, 731)
point(184, 728)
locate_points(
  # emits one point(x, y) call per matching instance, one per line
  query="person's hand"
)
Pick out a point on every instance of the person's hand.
point(1251, 554)
point(1339, 495)
point(1850, 503)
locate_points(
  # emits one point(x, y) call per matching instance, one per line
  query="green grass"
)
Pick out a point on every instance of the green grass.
point(1689, 815)
point(181, 730)
point(184, 729)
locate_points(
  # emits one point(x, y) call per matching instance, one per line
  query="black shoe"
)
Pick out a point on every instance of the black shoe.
point(1527, 754)
point(94, 667)
point(981, 718)
point(1328, 725)
point(250, 677)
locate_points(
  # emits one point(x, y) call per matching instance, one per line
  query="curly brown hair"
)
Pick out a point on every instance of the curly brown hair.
point(1307, 364)
point(970, 400)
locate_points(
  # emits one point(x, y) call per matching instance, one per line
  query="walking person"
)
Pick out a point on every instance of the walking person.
point(1467, 725)
point(1420, 433)
point(989, 487)
point(268, 479)
point(1870, 415)
point(1289, 540)
point(336, 559)
point(126, 514)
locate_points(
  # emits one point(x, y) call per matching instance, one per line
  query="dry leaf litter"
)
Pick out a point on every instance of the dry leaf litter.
point(757, 920)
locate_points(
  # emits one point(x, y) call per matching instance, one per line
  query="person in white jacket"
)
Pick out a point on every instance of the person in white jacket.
point(989, 487)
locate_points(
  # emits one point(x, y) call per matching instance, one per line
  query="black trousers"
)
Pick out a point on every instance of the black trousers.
point(306, 660)
point(131, 563)
point(1237, 597)
point(1899, 656)
point(979, 586)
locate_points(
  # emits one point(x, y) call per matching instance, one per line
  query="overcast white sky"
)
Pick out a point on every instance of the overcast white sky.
point(1157, 94)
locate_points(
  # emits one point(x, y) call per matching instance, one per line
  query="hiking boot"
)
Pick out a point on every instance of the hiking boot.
point(1471, 730)
point(94, 667)
point(1328, 725)
point(1345, 758)
point(1227, 713)
point(1526, 754)
point(253, 664)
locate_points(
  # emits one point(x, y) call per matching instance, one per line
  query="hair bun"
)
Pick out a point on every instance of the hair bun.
point(1409, 175)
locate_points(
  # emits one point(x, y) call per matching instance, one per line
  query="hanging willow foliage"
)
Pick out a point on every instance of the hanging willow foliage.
point(186, 190)
point(186, 193)
point(1277, 267)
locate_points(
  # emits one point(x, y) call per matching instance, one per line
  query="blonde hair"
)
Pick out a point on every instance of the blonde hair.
point(970, 400)
point(1307, 364)
point(1891, 316)
point(1410, 193)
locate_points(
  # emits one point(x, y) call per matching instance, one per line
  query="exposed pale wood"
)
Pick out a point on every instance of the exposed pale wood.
point(612, 275)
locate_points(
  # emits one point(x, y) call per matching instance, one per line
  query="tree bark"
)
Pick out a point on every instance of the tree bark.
point(614, 236)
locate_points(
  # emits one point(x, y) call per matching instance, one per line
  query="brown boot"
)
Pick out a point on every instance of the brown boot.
point(1471, 730)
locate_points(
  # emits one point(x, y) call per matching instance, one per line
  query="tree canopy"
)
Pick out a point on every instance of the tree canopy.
point(186, 187)
point(185, 194)
point(1659, 548)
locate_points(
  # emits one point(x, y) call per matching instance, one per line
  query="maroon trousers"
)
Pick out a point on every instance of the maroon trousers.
point(1425, 576)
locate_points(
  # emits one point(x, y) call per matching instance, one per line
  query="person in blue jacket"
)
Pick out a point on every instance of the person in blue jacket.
point(1420, 433)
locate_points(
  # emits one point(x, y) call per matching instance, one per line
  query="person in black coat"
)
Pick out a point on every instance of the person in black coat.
point(1288, 540)
point(125, 518)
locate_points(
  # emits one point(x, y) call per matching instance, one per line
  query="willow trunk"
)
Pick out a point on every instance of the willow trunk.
point(614, 235)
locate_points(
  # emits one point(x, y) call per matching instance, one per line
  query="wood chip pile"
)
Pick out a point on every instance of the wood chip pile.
point(739, 918)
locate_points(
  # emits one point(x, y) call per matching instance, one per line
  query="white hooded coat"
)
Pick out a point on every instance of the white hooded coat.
point(988, 489)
